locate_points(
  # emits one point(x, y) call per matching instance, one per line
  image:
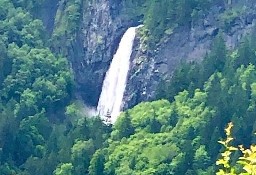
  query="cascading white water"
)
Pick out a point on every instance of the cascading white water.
point(111, 97)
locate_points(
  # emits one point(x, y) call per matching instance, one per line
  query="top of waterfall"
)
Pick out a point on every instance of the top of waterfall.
point(139, 26)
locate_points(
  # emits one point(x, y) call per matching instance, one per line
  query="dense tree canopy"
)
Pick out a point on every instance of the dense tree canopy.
point(39, 131)
point(44, 130)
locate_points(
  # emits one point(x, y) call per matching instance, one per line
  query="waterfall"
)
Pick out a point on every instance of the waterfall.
point(111, 97)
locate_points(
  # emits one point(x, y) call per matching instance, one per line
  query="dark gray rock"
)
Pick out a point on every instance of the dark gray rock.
point(47, 14)
point(102, 26)
point(185, 44)
point(101, 31)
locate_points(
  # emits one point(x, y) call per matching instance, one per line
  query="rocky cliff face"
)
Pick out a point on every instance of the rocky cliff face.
point(97, 36)
point(47, 14)
point(102, 25)
point(189, 43)
point(100, 34)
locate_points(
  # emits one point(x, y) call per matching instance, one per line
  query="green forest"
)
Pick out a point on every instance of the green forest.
point(44, 131)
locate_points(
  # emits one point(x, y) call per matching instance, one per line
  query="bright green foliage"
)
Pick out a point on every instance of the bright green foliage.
point(64, 169)
point(146, 112)
point(123, 127)
point(44, 131)
point(37, 136)
point(37, 78)
point(180, 137)
point(147, 152)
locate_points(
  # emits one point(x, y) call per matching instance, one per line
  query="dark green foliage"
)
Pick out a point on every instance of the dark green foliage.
point(229, 84)
point(163, 16)
point(180, 137)
point(245, 51)
point(97, 163)
point(215, 61)
point(67, 23)
point(124, 126)
point(160, 17)
point(151, 150)
point(37, 135)
point(190, 76)
point(44, 131)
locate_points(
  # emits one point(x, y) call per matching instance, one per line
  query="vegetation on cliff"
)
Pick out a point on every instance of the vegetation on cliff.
point(43, 130)
point(180, 137)
point(39, 126)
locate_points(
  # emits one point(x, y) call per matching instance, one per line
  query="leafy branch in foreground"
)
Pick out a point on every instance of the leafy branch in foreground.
point(247, 159)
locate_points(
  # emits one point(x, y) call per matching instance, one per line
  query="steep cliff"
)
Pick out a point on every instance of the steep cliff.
point(186, 43)
point(101, 24)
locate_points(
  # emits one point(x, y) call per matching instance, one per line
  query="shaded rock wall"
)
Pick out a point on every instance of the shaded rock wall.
point(189, 43)
point(101, 31)
point(102, 25)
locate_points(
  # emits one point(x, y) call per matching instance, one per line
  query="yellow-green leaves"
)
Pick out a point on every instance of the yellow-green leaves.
point(247, 160)
point(224, 161)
